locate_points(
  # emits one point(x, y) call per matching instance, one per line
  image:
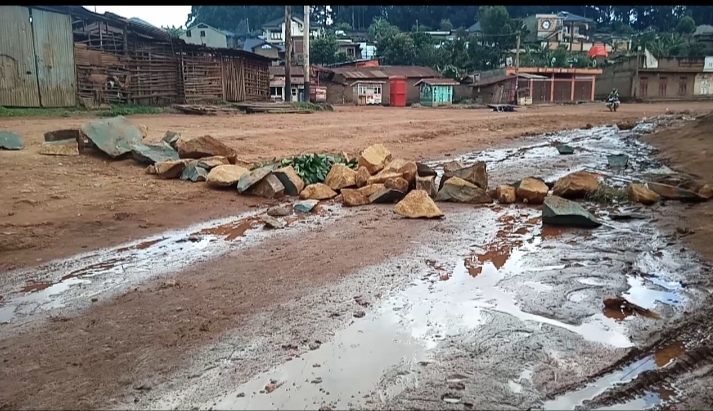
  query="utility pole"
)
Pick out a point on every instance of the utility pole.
point(288, 53)
point(517, 66)
point(305, 55)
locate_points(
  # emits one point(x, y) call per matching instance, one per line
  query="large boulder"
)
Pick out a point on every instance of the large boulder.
point(476, 173)
point(374, 158)
point(205, 146)
point(353, 198)
point(194, 173)
point(250, 179)
point(60, 148)
point(418, 204)
point(289, 178)
point(11, 141)
point(505, 194)
point(425, 171)
point(532, 190)
point(408, 169)
point(457, 190)
point(371, 189)
point(169, 169)
point(387, 195)
point(268, 187)
point(397, 183)
point(638, 193)
point(362, 177)
point(427, 184)
point(317, 191)
point(153, 153)
point(225, 175)
point(340, 176)
point(114, 136)
point(576, 185)
point(675, 193)
point(563, 212)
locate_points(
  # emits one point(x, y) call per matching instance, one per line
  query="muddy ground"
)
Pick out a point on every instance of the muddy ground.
point(359, 308)
point(57, 207)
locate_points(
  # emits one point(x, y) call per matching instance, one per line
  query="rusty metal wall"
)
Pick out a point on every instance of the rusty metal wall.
point(18, 75)
point(54, 49)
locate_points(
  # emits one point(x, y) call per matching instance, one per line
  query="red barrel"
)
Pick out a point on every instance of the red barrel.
point(397, 91)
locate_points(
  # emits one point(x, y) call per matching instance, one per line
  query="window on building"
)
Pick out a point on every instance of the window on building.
point(275, 35)
point(203, 35)
point(188, 33)
point(275, 92)
point(377, 89)
point(294, 91)
point(682, 86)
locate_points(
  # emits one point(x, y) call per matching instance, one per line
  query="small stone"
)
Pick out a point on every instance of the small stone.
point(225, 175)
point(362, 177)
point(425, 171)
point(305, 206)
point(170, 169)
point(618, 160)
point(675, 193)
point(398, 183)
point(457, 190)
point(374, 158)
point(706, 191)
point(564, 149)
point(151, 154)
point(290, 180)
point(144, 130)
point(194, 173)
point(268, 187)
point(575, 185)
point(240, 395)
point(279, 211)
point(313, 346)
point(170, 138)
point(317, 191)
point(370, 189)
point(562, 212)
point(418, 204)
point(253, 177)
point(532, 190)
point(427, 184)
point(505, 194)
point(205, 146)
point(271, 222)
point(353, 198)
point(359, 314)
point(60, 148)
point(210, 163)
point(340, 176)
point(640, 194)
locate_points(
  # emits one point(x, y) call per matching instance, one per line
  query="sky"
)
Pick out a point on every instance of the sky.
point(159, 16)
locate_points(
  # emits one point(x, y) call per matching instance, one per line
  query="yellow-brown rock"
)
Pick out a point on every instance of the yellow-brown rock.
point(575, 185)
point(408, 169)
point(427, 184)
point(60, 148)
point(397, 183)
point(317, 191)
point(374, 158)
point(225, 175)
point(170, 169)
point(532, 190)
point(205, 146)
point(638, 193)
point(505, 194)
point(289, 178)
point(706, 191)
point(340, 176)
point(370, 189)
point(383, 176)
point(144, 130)
point(457, 190)
point(418, 204)
point(362, 177)
point(353, 198)
point(210, 163)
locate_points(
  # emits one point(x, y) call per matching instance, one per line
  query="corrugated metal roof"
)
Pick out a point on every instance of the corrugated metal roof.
point(386, 72)
point(280, 71)
point(438, 82)
point(531, 76)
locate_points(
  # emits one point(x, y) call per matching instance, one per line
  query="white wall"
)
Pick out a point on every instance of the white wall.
point(296, 31)
point(213, 37)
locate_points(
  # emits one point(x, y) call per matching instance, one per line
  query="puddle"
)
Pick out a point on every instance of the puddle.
point(659, 359)
point(73, 282)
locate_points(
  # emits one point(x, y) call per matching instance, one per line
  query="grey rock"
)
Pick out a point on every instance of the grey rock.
point(152, 154)
point(618, 160)
point(564, 149)
point(675, 193)
point(562, 212)
point(11, 141)
point(114, 136)
point(386, 196)
point(65, 134)
point(272, 222)
point(194, 173)
point(249, 180)
point(279, 211)
point(424, 170)
point(305, 206)
point(170, 138)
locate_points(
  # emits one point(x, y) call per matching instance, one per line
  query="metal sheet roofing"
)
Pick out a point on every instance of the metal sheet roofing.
point(382, 72)
point(438, 82)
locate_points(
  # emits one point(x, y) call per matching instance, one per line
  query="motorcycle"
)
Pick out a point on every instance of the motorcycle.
point(613, 104)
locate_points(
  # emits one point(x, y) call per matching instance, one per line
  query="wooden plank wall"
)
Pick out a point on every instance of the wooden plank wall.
point(202, 77)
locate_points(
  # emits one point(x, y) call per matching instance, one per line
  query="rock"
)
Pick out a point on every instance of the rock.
point(562, 212)
point(564, 149)
point(476, 174)
point(205, 146)
point(374, 158)
point(170, 169)
point(65, 134)
point(210, 163)
point(10, 141)
point(150, 169)
point(576, 185)
point(627, 216)
point(271, 222)
point(505, 194)
point(362, 177)
point(706, 191)
point(387, 195)
point(60, 148)
point(617, 160)
point(226, 175)
point(427, 184)
point(381, 177)
point(317, 191)
point(424, 170)
point(170, 138)
point(144, 130)
point(675, 193)
point(353, 198)
point(339, 198)
point(408, 169)
point(532, 190)
point(268, 187)
point(397, 184)
point(114, 136)
point(455, 189)
point(640, 194)
point(253, 177)
point(194, 173)
point(418, 204)
point(626, 125)
point(305, 206)
point(625, 306)
point(371, 189)
point(289, 178)
point(279, 211)
point(150, 154)
point(340, 176)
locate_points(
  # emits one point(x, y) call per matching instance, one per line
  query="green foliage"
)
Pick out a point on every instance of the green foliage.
point(128, 110)
point(445, 25)
point(608, 195)
point(686, 26)
point(343, 26)
point(174, 31)
point(313, 168)
point(113, 111)
point(324, 49)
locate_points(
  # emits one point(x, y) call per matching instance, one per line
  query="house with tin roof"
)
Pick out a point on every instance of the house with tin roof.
point(206, 35)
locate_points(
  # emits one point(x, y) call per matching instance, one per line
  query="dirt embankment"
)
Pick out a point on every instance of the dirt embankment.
point(58, 206)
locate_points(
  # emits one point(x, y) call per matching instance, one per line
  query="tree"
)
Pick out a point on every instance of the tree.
point(324, 49)
point(343, 26)
point(174, 31)
point(397, 50)
point(446, 25)
point(686, 26)
point(381, 29)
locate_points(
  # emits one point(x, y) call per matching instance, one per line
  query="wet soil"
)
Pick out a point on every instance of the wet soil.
point(55, 207)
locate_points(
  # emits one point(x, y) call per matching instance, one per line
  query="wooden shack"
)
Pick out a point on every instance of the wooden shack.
point(436, 92)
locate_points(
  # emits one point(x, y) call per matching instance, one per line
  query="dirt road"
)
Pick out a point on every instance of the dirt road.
point(356, 307)
point(57, 207)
